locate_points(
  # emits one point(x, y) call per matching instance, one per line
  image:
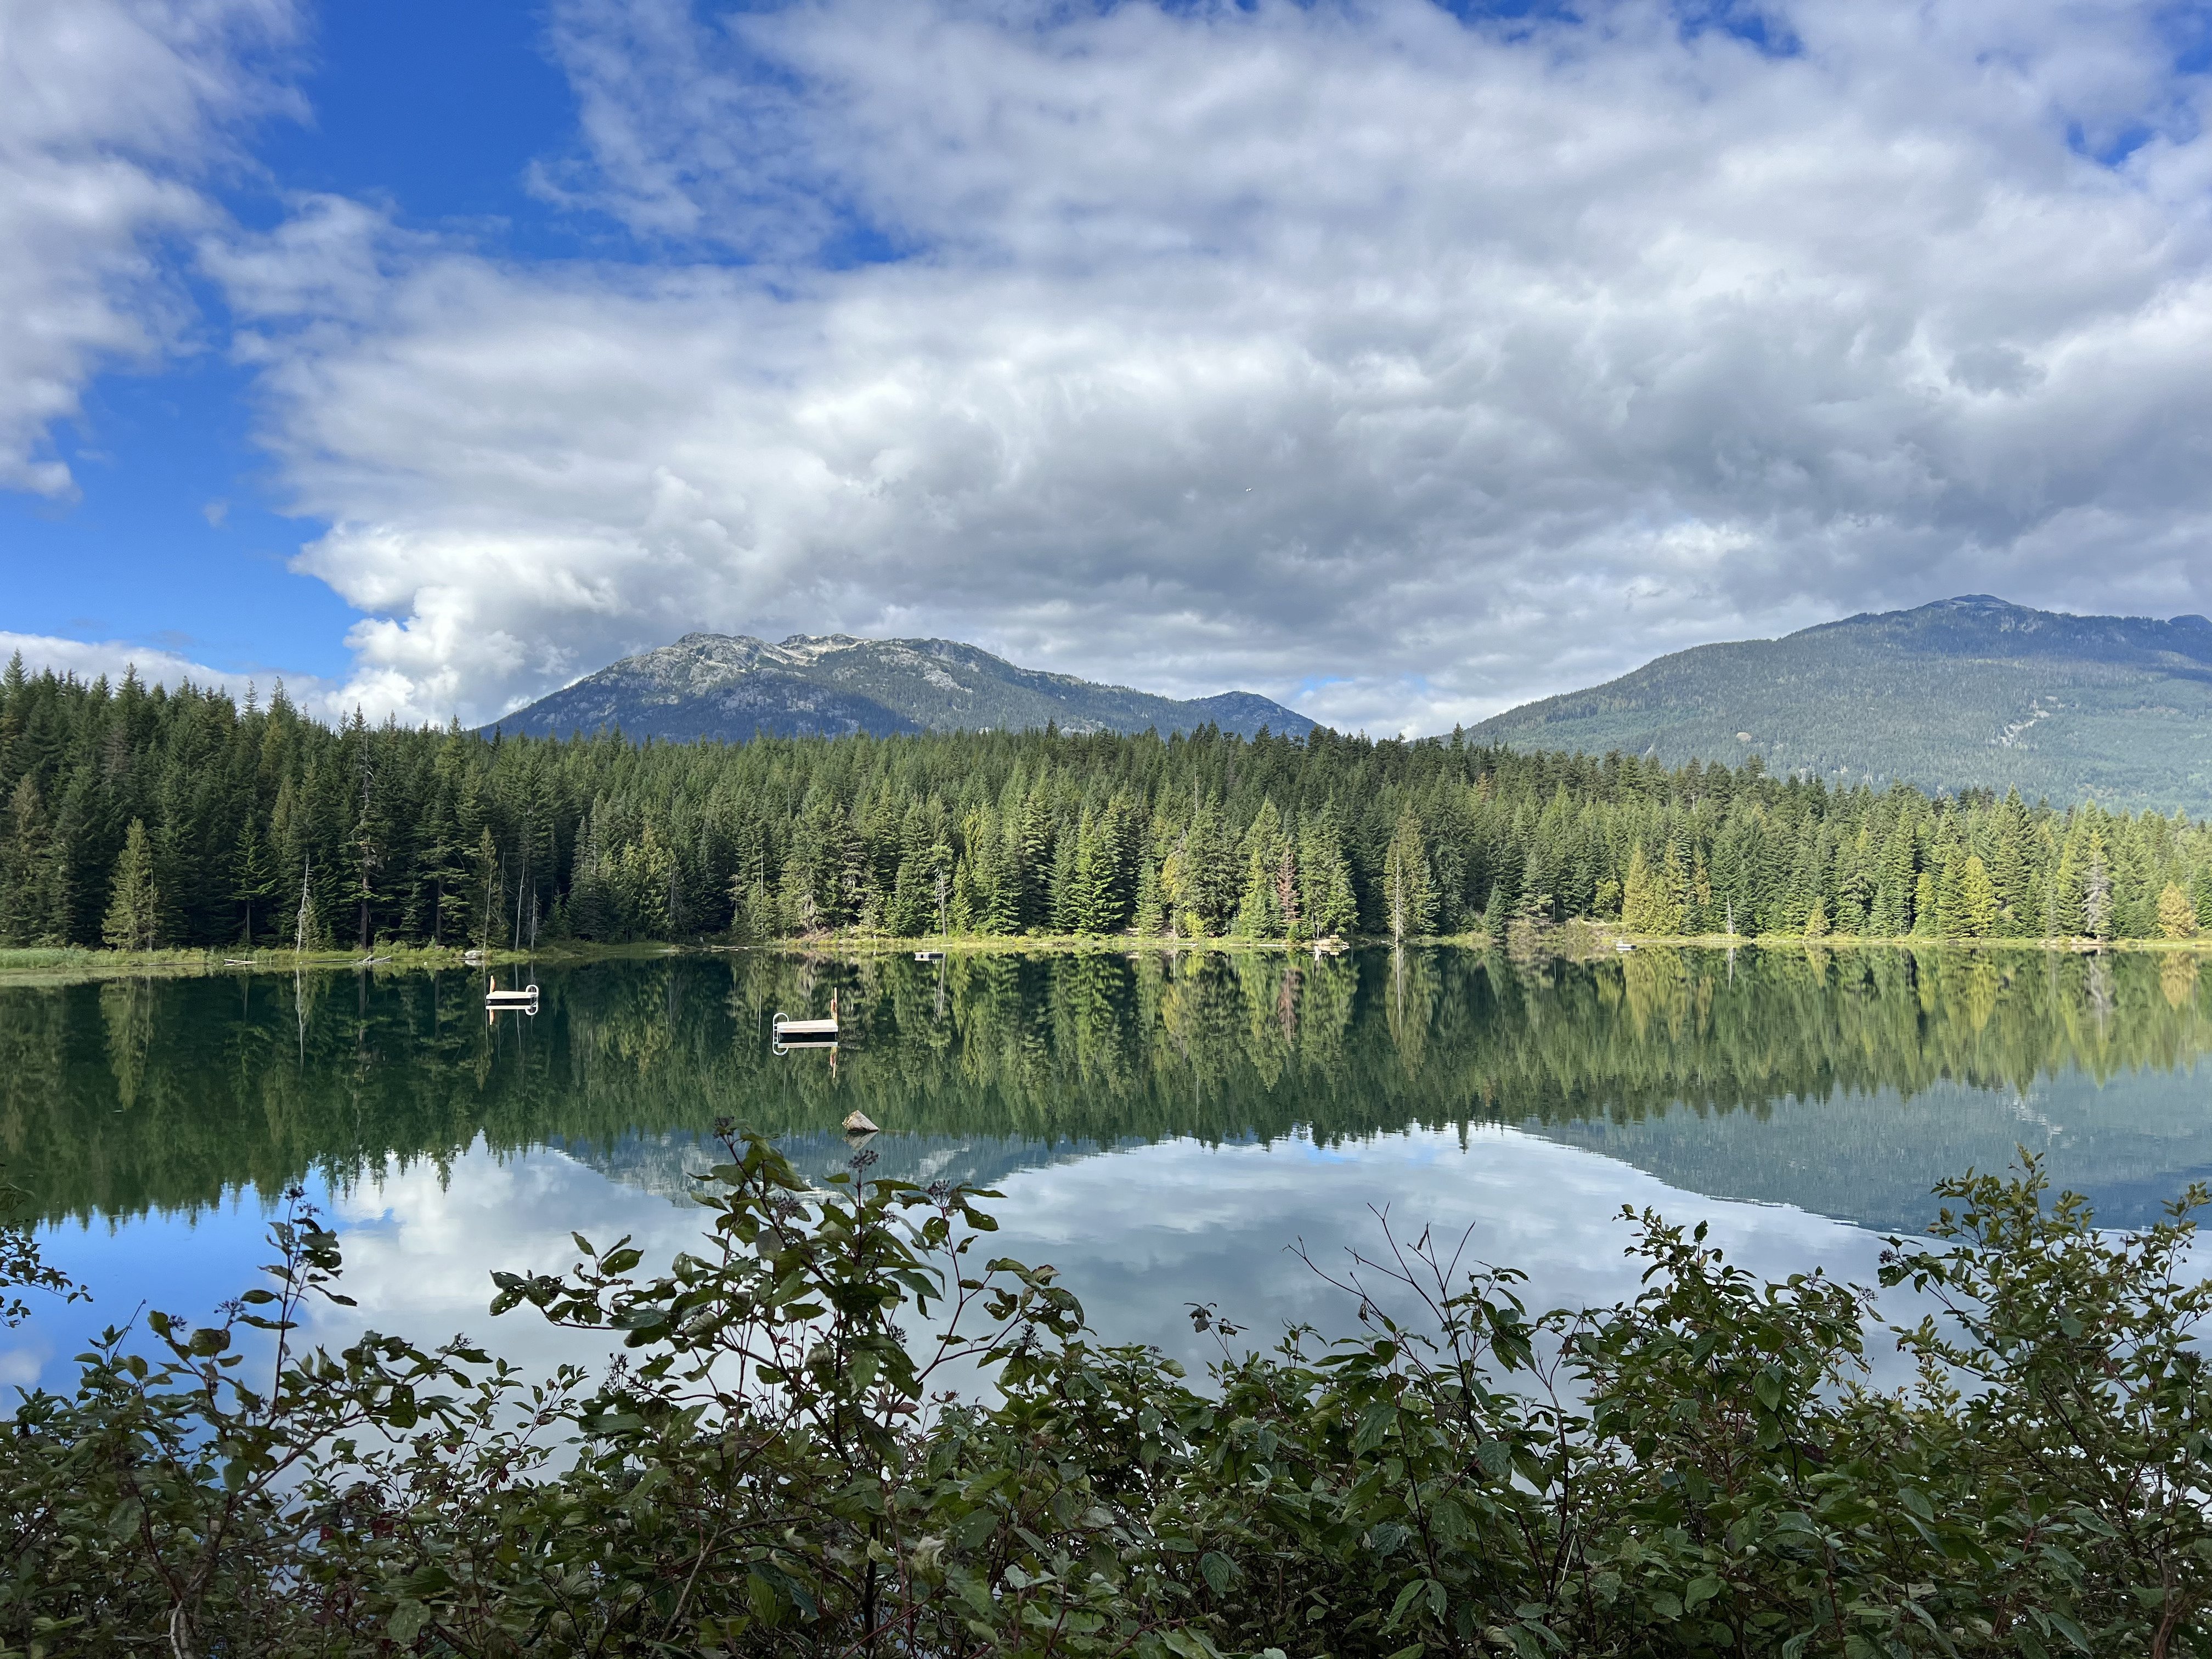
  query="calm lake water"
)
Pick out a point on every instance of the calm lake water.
point(1161, 1128)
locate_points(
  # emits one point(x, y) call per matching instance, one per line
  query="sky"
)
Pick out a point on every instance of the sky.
point(1402, 359)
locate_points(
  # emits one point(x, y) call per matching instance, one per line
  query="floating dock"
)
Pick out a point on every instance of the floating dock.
point(495, 1000)
point(786, 1033)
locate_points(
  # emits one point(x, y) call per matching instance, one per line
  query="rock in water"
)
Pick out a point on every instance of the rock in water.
point(858, 1124)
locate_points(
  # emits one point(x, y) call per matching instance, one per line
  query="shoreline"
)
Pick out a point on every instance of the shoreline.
point(1576, 940)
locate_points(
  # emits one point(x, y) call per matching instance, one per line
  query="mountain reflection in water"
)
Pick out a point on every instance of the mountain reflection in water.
point(1840, 1083)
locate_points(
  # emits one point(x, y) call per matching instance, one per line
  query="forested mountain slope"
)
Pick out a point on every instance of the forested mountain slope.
point(718, 685)
point(1966, 693)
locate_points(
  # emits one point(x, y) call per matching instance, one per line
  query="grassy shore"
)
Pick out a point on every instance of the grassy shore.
point(2198, 944)
point(71, 964)
point(51, 965)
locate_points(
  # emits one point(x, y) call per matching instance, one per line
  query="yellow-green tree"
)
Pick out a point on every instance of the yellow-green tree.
point(1977, 905)
point(1649, 903)
point(2177, 913)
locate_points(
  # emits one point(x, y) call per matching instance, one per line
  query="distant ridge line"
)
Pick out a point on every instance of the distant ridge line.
point(730, 687)
point(1970, 692)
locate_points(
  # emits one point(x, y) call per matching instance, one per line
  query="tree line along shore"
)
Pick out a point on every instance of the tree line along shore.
point(143, 819)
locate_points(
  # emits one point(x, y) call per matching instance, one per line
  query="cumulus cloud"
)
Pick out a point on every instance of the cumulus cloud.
point(1399, 364)
point(111, 111)
point(90, 660)
point(1215, 1223)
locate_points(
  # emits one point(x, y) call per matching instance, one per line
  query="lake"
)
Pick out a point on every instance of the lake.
point(1161, 1128)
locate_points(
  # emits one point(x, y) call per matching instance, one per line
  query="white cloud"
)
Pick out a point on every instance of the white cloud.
point(110, 113)
point(1445, 364)
point(88, 660)
point(1138, 1234)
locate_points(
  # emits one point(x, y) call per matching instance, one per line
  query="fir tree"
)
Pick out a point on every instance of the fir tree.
point(1975, 908)
point(252, 880)
point(1408, 893)
point(1259, 910)
point(133, 921)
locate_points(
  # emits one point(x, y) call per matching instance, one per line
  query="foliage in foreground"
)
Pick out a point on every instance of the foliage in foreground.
point(780, 1468)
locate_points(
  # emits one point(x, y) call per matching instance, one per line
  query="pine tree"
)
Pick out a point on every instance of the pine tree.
point(1975, 907)
point(1676, 880)
point(26, 865)
point(2010, 869)
point(1950, 875)
point(1854, 883)
point(1408, 893)
point(1095, 902)
point(489, 884)
point(1649, 901)
point(2066, 917)
point(252, 880)
point(1892, 916)
point(133, 921)
point(1150, 919)
point(1206, 880)
point(1493, 913)
point(1259, 913)
point(1332, 909)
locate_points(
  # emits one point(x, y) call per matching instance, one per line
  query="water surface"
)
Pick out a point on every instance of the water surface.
point(1161, 1128)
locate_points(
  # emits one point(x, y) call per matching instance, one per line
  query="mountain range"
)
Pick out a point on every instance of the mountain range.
point(1963, 693)
point(732, 687)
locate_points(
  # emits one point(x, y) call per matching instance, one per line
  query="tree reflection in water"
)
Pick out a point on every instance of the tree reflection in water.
point(1843, 1080)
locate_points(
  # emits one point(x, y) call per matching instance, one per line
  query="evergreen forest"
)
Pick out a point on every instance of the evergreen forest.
point(139, 817)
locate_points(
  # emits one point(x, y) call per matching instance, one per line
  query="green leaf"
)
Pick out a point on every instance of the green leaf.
point(1405, 1600)
point(1218, 1570)
point(1374, 1424)
point(406, 1622)
point(2072, 1631)
point(1384, 1536)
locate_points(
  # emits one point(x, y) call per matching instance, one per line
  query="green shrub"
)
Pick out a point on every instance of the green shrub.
point(780, 1466)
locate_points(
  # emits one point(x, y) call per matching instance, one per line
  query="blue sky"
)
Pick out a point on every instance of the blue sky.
point(1399, 359)
point(177, 536)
